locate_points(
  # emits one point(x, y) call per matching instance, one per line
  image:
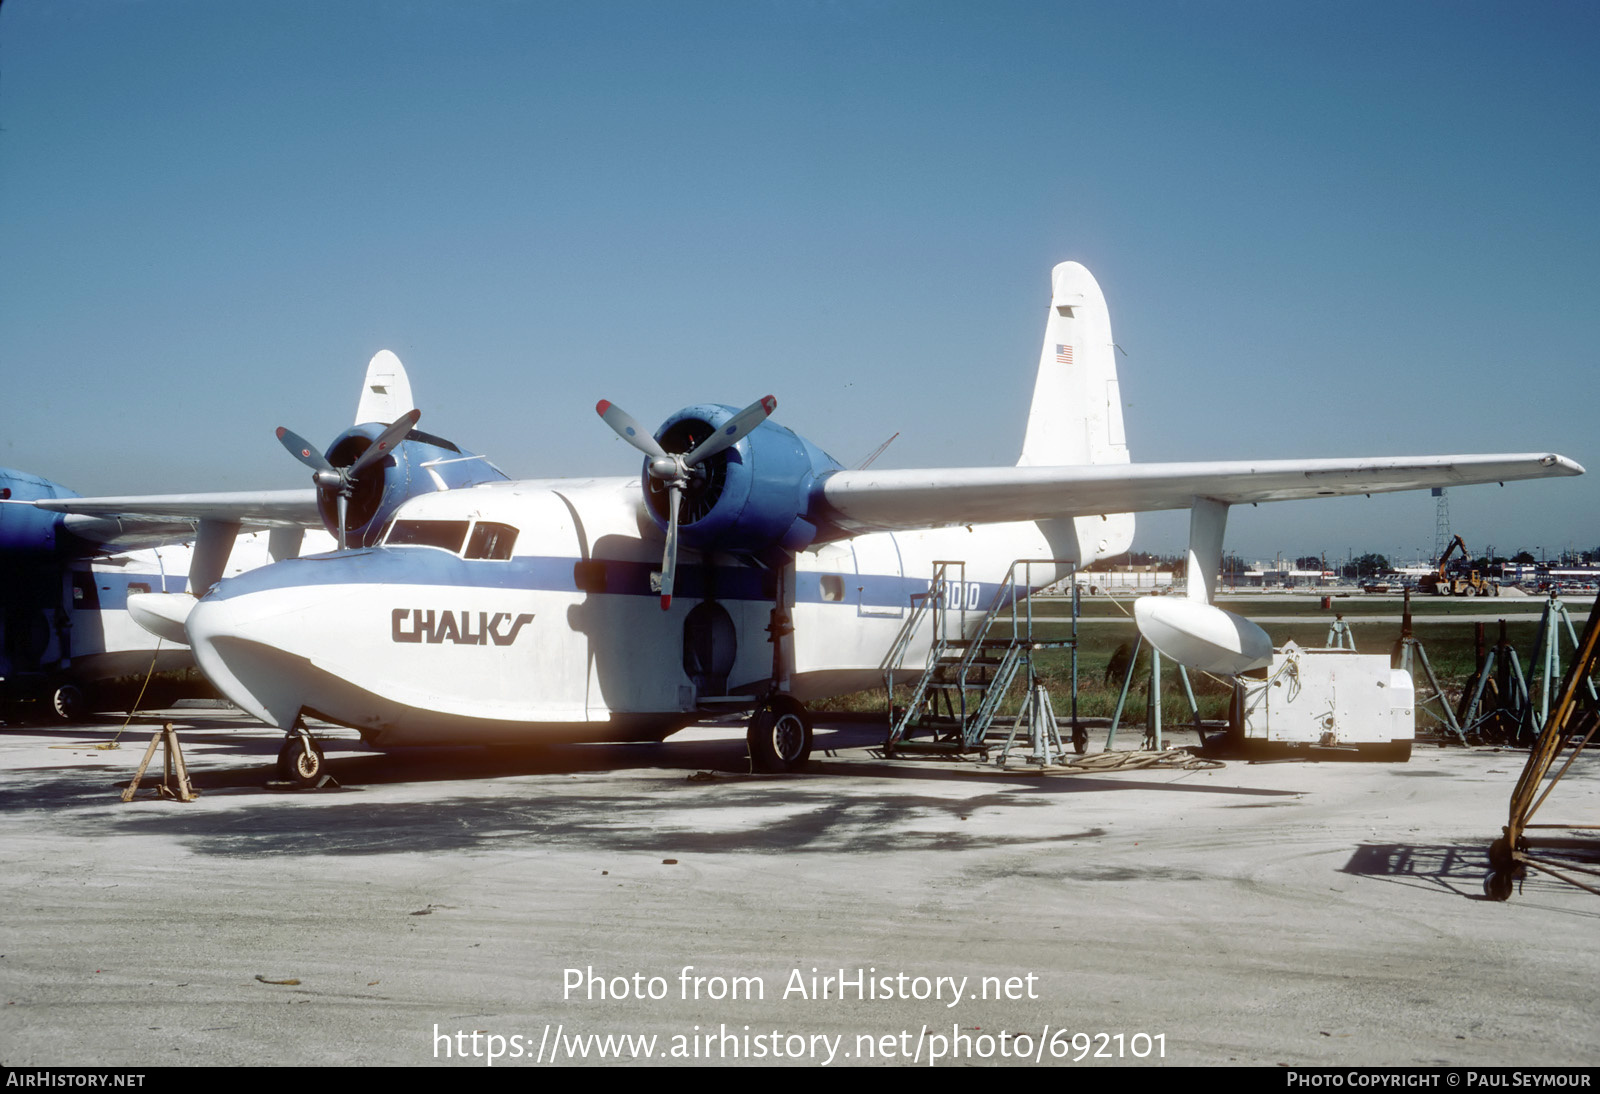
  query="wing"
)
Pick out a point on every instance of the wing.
point(123, 523)
point(873, 501)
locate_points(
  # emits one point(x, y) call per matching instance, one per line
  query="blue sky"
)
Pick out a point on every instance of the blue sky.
point(1323, 229)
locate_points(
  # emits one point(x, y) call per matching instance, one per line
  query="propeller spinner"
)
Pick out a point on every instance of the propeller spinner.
point(343, 479)
point(675, 471)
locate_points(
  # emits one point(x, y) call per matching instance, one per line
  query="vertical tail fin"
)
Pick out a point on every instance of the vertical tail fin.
point(1076, 417)
point(386, 391)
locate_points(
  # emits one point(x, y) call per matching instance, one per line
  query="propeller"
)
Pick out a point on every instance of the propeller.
point(675, 471)
point(343, 479)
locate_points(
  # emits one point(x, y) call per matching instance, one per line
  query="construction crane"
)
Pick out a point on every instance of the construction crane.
point(1464, 582)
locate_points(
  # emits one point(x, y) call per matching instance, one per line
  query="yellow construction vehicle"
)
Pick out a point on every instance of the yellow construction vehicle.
point(1465, 581)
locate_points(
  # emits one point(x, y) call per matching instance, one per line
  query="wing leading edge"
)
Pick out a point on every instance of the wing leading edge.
point(264, 508)
point(144, 520)
point(875, 501)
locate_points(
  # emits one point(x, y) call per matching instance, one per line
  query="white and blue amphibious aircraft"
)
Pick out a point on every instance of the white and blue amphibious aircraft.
point(743, 563)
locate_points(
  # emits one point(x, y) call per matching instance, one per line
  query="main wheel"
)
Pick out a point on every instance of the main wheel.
point(67, 702)
point(780, 735)
point(299, 762)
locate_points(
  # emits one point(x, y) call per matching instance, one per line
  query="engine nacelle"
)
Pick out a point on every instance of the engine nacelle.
point(751, 497)
point(26, 531)
point(420, 464)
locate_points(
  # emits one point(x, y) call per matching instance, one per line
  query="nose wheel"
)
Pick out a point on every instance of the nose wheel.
point(780, 735)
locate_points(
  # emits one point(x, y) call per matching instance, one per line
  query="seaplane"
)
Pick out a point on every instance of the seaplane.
point(742, 567)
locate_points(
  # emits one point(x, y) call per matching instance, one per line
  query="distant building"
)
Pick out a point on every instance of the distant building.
point(1121, 579)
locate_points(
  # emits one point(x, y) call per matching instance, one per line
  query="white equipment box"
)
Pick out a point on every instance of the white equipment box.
point(1332, 698)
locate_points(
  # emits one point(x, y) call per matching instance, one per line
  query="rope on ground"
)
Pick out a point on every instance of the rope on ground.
point(1172, 759)
point(1176, 759)
point(132, 710)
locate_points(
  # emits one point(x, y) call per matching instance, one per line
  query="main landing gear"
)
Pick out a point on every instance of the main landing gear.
point(68, 703)
point(780, 735)
point(300, 760)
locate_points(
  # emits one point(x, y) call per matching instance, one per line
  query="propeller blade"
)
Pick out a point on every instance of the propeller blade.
point(303, 450)
point(385, 442)
point(732, 430)
point(343, 504)
point(669, 558)
point(628, 429)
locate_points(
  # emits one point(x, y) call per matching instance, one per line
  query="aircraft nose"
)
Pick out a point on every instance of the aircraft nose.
point(244, 648)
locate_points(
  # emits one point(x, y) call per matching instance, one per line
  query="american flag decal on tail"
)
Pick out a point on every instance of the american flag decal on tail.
point(1063, 355)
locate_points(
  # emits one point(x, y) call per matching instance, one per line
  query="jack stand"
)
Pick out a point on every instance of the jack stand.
point(174, 770)
point(1497, 701)
point(1546, 663)
point(1340, 636)
point(1044, 736)
point(1152, 721)
point(1408, 650)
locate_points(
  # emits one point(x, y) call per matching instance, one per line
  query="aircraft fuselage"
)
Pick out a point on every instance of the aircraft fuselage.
point(453, 637)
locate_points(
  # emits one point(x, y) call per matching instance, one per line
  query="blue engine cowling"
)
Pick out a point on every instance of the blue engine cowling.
point(420, 464)
point(751, 497)
point(25, 530)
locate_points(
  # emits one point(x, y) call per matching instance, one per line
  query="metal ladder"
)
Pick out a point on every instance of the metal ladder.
point(970, 668)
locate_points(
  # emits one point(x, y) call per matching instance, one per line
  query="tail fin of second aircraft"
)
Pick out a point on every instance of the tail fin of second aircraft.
point(386, 392)
point(1076, 417)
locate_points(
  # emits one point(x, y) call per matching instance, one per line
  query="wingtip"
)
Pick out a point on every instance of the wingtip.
point(666, 601)
point(602, 406)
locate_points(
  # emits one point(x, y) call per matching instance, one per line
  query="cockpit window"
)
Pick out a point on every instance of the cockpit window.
point(491, 540)
point(447, 535)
